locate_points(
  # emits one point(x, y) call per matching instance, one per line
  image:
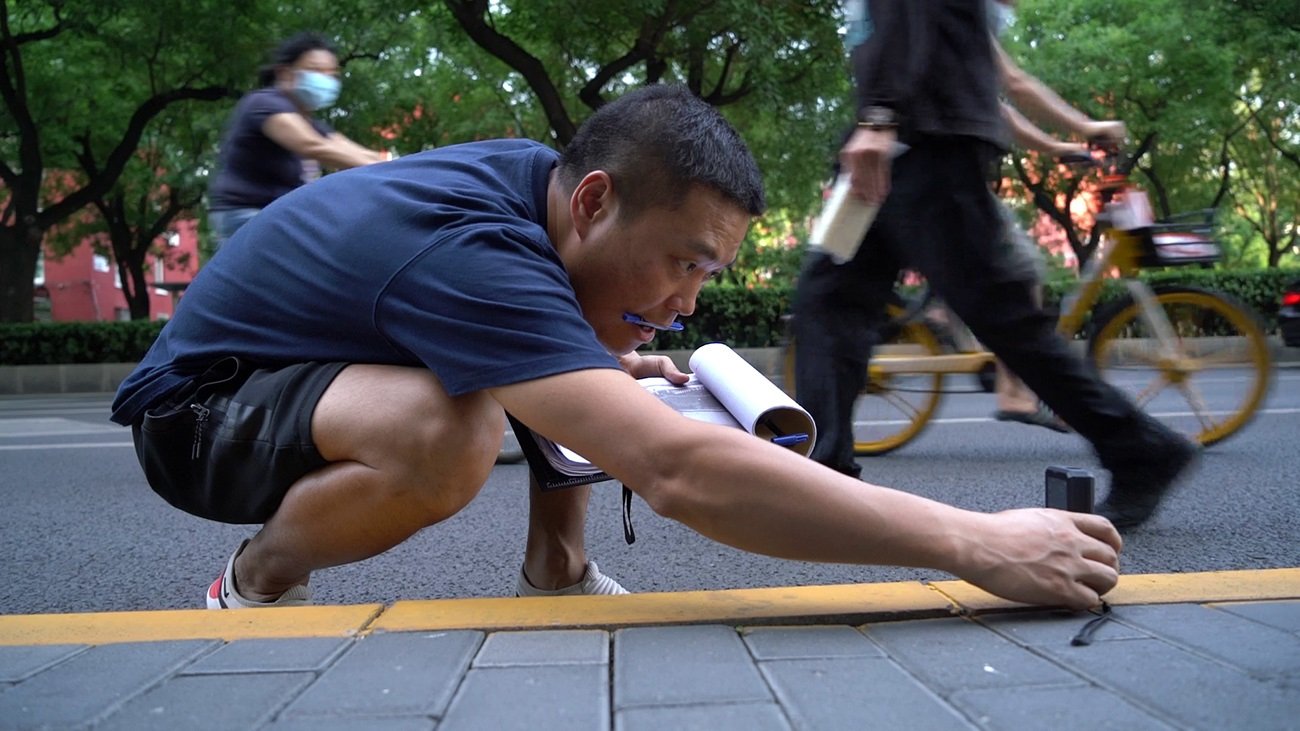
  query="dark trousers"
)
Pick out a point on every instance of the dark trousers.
point(940, 219)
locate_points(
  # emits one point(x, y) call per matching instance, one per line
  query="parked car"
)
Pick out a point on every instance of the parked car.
point(1288, 315)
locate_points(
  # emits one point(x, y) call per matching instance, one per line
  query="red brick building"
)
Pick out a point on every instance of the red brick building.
point(84, 286)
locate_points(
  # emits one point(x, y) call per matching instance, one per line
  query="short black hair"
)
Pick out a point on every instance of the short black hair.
point(290, 50)
point(656, 143)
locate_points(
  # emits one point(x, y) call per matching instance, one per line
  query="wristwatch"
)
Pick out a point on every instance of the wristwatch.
point(877, 118)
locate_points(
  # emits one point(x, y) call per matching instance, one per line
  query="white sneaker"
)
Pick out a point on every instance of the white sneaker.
point(222, 594)
point(593, 582)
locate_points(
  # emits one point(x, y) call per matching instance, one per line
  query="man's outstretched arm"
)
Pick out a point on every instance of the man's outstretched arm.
point(750, 494)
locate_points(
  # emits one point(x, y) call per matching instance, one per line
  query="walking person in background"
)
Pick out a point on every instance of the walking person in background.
point(273, 143)
point(926, 77)
point(1015, 401)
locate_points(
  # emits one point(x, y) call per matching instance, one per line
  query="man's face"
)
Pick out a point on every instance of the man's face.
point(654, 265)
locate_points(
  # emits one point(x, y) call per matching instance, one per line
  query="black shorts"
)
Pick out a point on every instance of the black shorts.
point(229, 444)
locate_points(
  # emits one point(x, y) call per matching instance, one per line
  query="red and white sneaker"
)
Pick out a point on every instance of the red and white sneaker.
point(222, 593)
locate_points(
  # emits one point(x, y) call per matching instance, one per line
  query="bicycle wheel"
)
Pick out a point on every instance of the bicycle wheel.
point(896, 406)
point(1216, 371)
point(893, 407)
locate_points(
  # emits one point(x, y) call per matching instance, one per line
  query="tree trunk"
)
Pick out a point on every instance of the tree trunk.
point(138, 300)
point(20, 246)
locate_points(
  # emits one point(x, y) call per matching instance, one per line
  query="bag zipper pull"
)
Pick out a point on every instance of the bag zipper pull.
point(201, 415)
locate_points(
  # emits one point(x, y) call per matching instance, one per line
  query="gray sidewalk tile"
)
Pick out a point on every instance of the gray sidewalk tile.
point(1260, 650)
point(208, 702)
point(544, 647)
point(18, 662)
point(1183, 687)
point(271, 656)
point(1072, 707)
point(352, 724)
point(1284, 615)
point(747, 716)
point(90, 684)
point(698, 664)
point(788, 643)
point(959, 654)
point(537, 698)
point(1174, 666)
point(857, 692)
point(391, 674)
point(1054, 628)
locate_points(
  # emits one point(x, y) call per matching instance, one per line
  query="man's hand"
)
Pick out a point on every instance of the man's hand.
point(1046, 557)
point(652, 366)
point(867, 157)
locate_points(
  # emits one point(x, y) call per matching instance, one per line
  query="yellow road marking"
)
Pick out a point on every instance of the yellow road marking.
point(837, 604)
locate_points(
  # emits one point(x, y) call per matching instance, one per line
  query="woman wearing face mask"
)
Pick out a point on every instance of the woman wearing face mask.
point(273, 143)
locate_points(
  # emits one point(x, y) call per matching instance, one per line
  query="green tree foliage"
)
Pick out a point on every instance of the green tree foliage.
point(1189, 78)
point(132, 221)
point(777, 69)
point(84, 78)
point(1265, 150)
point(111, 106)
point(113, 110)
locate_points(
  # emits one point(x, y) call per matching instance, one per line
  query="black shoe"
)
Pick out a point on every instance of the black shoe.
point(1135, 492)
point(1042, 416)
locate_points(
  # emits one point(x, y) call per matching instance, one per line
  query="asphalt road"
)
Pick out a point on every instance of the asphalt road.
point(80, 531)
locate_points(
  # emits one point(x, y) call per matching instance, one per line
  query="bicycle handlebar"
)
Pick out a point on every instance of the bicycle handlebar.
point(1108, 157)
point(1076, 158)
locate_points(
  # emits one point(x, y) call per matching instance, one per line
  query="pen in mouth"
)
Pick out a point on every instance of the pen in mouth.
point(636, 320)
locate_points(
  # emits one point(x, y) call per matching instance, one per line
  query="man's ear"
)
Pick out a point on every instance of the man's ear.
point(593, 200)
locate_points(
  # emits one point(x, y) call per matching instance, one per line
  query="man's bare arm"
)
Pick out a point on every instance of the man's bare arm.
point(1038, 101)
point(1027, 135)
point(337, 152)
point(750, 494)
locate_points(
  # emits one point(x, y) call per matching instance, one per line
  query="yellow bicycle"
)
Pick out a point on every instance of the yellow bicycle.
point(1161, 345)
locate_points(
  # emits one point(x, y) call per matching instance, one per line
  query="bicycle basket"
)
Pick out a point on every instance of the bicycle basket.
point(1180, 240)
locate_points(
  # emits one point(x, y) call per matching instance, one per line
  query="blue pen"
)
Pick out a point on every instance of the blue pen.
point(789, 440)
point(636, 320)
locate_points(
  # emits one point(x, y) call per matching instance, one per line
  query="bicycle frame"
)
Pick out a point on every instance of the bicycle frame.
point(1120, 251)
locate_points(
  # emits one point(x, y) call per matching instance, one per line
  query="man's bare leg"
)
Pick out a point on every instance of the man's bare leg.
point(403, 455)
point(1015, 398)
point(555, 555)
point(1012, 393)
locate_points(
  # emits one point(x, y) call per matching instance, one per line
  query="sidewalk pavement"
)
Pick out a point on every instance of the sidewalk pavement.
point(1214, 650)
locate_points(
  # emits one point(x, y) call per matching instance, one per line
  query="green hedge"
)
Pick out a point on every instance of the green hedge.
point(43, 343)
point(745, 318)
point(1258, 289)
point(742, 317)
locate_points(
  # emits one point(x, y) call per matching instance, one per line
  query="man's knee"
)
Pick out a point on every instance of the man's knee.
point(462, 442)
point(435, 450)
point(446, 456)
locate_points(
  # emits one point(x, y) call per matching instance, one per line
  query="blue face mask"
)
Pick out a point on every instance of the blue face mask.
point(999, 17)
point(315, 90)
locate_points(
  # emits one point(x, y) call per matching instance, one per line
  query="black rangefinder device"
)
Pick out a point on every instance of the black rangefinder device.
point(1070, 488)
